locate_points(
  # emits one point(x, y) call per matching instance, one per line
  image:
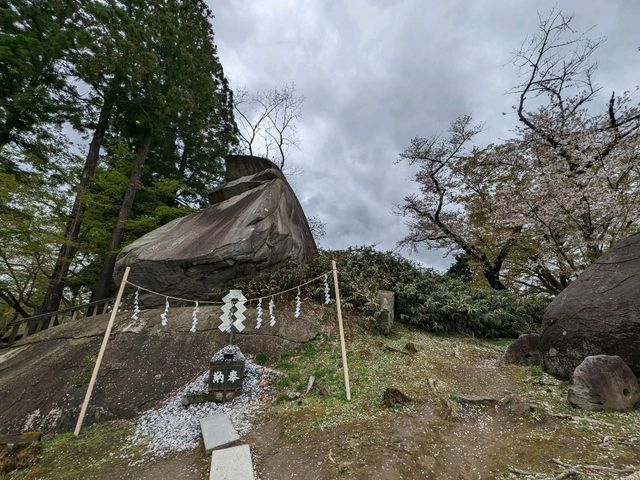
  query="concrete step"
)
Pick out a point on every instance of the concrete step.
point(232, 463)
point(217, 432)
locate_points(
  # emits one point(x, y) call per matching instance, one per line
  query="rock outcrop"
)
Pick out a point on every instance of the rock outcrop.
point(255, 223)
point(44, 377)
point(598, 313)
point(525, 350)
point(604, 382)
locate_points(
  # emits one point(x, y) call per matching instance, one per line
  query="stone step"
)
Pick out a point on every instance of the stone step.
point(217, 432)
point(232, 463)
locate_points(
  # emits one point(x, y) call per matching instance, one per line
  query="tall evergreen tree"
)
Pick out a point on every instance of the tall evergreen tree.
point(141, 75)
point(101, 63)
point(36, 38)
point(181, 88)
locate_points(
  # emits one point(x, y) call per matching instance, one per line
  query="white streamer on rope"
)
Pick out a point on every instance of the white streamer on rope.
point(259, 314)
point(136, 306)
point(272, 317)
point(163, 316)
point(207, 302)
point(327, 297)
point(298, 305)
point(194, 318)
point(164, 320)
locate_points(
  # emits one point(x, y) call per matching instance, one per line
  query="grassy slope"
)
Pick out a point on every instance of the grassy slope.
point(459, 365)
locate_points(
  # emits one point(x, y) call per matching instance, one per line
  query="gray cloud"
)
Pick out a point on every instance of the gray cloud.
point(375, 74)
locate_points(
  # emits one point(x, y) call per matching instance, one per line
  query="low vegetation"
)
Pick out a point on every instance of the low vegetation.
point(468, 411)
point(88, 456)
point(432, 301)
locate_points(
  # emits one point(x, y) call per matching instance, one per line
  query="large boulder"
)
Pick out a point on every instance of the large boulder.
point(598, 313)
point(525, 350)
point(604, 382)
point(254, 223)
point(43, 378)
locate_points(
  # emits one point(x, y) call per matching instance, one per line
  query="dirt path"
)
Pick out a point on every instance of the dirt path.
point(426, 440)
point(189, 466)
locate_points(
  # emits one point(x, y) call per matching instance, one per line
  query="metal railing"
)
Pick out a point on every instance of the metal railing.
point(22, 328)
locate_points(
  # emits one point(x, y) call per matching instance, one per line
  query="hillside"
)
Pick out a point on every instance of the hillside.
point(44, 377)
point(470, 416)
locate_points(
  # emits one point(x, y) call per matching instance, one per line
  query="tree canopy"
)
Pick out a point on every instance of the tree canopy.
point(141, 84)
point(534, 211)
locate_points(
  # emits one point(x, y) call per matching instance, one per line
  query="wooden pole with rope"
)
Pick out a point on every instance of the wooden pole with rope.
point(343, 346)
point(105, 340)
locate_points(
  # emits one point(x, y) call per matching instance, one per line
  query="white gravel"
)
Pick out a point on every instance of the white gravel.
point(175, 428)
point(231, 349)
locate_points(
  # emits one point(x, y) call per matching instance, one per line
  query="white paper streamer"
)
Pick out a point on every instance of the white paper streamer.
point(272, 317)
point(136, 306)
point(327, 297)
point(298, 305)
point(194, 318)
point(163, 316)
point(259, 314)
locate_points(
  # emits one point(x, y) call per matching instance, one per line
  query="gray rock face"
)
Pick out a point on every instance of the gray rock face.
point(599, 313)
point(144, 364)
point(255, 223)
point(387, 301)
point(525, 350)
point(604, 382)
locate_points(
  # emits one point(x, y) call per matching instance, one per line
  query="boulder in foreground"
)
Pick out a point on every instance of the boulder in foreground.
point(525, 350)
point(44, 377)
point(604, 382)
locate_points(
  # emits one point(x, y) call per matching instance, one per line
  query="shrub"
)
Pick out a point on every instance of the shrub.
point(438, 303)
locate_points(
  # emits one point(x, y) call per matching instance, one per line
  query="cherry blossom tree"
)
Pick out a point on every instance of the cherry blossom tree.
point(535, 210)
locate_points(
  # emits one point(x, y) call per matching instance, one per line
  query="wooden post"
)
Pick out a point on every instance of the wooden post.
point(343, 346)
point(94, 375)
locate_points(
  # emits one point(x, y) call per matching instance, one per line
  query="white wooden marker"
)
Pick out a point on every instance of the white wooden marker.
point(105, 340)
point(345, 367)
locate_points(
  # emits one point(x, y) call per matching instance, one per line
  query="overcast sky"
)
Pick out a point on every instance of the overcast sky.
point(377, 73)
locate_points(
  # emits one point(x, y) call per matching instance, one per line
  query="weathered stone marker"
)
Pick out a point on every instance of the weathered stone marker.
point(232, 464)
point(217, 432)
point(387, 301)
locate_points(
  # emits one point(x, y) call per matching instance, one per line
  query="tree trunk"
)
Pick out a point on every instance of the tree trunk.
point(105, 280)
point(4, 137)
point(7, 127)
point(493, 278)
point(52, 298)
point(14, 303)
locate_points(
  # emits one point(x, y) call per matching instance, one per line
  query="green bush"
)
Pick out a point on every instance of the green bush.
point(438, 303)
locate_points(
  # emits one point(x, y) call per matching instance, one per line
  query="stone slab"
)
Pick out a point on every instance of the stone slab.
point(217, 432)
point(232, 464)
